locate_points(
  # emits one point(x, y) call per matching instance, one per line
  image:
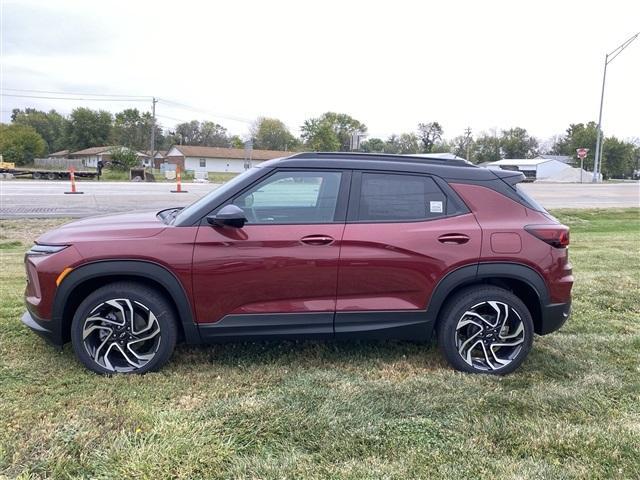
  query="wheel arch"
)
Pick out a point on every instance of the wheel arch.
point(523, 281)
point(88, 277)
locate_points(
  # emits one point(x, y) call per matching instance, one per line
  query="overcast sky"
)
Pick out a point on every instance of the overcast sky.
point(391, 64)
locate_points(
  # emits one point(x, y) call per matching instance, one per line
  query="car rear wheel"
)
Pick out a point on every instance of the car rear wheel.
point(485, 329)
point(124, 327)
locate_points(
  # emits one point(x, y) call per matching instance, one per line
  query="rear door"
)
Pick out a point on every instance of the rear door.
point(277, 274)
point(404, 233)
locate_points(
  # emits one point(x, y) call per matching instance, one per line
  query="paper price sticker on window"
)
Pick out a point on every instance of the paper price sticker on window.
point(435, 207)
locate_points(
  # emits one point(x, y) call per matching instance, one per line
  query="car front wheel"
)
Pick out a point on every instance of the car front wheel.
point(485, 329)
point(124, 327)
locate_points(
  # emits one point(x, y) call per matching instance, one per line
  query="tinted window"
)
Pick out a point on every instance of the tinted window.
point(391, 197)
point(292, 197)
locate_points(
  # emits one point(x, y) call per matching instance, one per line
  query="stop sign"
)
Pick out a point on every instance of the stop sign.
point(582, 152)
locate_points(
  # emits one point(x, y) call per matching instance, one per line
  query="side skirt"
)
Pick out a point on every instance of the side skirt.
point(263, 326)
point(402, 325)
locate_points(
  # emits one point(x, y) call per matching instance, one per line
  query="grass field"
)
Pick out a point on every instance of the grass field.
point(340, 410)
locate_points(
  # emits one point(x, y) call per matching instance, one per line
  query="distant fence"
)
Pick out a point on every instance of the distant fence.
point(58, 162)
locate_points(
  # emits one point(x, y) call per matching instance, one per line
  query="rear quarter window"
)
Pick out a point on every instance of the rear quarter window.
point(397, 197)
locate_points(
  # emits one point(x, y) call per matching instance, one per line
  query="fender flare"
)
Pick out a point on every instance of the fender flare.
point(485, 270)
point(132, 269)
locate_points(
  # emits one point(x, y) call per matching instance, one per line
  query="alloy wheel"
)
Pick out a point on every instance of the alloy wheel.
point(121, 335)
point(490, 335)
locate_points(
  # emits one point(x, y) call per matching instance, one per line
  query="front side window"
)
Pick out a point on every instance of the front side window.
point(393, 197)
point(292, 197)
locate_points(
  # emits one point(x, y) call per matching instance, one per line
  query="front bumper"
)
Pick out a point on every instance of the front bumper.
point(554, 316)
point(42, 328)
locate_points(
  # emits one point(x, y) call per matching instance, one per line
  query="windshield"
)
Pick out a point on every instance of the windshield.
point(220, 191)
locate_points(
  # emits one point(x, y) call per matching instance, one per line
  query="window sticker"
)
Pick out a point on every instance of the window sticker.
point(435, 207)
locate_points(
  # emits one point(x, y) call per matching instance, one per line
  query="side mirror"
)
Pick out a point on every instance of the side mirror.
point(229, 215)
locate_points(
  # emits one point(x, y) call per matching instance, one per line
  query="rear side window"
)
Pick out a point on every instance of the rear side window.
point(394, 197)
point(528, 199)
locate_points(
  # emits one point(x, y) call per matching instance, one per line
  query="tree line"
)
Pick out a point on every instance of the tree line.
point(33, 133)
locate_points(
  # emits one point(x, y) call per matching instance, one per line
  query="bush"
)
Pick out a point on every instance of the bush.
point(123, 158)
point(20, 144)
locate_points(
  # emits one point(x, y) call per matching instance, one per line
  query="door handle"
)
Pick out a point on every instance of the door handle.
point(317, 240)
point(453, 238)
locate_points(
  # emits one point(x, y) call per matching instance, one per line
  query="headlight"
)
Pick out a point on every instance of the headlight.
point(45, 249)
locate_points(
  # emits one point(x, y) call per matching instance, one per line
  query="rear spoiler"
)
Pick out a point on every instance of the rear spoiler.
point(509, 176)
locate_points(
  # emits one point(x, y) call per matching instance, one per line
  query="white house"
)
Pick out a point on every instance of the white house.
point(218, 159)
point(533, 169)
point(91, 156)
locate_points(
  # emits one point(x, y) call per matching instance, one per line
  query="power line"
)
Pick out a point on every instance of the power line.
point(72, 93)
point(199, 110)
point(74, 98)
point(57, 95)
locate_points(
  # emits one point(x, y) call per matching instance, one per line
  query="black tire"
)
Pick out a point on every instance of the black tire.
point(142, 345)
point(36, 175)
point(469, 341)
point(52, 176)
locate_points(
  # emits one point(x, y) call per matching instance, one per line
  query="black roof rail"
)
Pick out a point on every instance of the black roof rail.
point(385, 157)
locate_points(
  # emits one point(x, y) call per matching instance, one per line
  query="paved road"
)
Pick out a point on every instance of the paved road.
point(19, 199)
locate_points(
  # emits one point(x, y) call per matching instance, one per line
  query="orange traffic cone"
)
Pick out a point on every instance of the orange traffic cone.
point(179, 180)
point(72, 176)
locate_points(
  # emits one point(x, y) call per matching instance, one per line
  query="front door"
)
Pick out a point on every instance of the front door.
point(277, 274)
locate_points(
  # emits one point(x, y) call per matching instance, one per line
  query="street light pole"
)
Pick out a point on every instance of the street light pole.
point(597, 161)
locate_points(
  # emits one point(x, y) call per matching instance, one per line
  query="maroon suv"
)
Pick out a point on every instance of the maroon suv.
point(329, 245)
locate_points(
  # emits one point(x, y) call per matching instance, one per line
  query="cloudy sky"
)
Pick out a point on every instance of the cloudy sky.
point(391, 64)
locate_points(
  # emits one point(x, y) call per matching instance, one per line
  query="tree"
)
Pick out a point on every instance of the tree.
point(429, 134)
point(20, 143)
point(331, 131)
point(618, 158)
point(123, 158)
point(208, 134)
point(487, 148)
point(236, 142)
point(516, 143)
point(442, 146)
point(408, 143)
point(463, 144)
point(392, 145)
point(213, 135)
point(133, 130)
point(49, 125)
point(88, 128)
point(578, 135)
point(188, 133)
point(272, 134)
point(373, 145)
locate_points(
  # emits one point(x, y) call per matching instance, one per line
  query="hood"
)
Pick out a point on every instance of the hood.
point(108, 227)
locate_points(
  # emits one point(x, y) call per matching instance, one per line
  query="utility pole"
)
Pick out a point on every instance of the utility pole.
point(597, 161)
point(153, 131)
point(467, 134)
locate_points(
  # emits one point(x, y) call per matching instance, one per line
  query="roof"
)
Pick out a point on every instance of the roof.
point(61, 153)
point(522, 162)
point(102, 150)
point(221, 152)
point(560, 158)
point(94, 150)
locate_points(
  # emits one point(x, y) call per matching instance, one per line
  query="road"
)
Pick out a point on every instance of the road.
point(21, 199)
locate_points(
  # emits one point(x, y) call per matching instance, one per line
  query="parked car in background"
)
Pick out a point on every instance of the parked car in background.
point(328, 245)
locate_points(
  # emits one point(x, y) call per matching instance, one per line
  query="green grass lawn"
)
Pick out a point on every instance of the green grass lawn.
point(340, 410)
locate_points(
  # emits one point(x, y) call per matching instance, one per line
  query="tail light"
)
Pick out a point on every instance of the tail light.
point(555, 235)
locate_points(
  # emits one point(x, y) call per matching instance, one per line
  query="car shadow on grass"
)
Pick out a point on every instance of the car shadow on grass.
point(308, 352)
